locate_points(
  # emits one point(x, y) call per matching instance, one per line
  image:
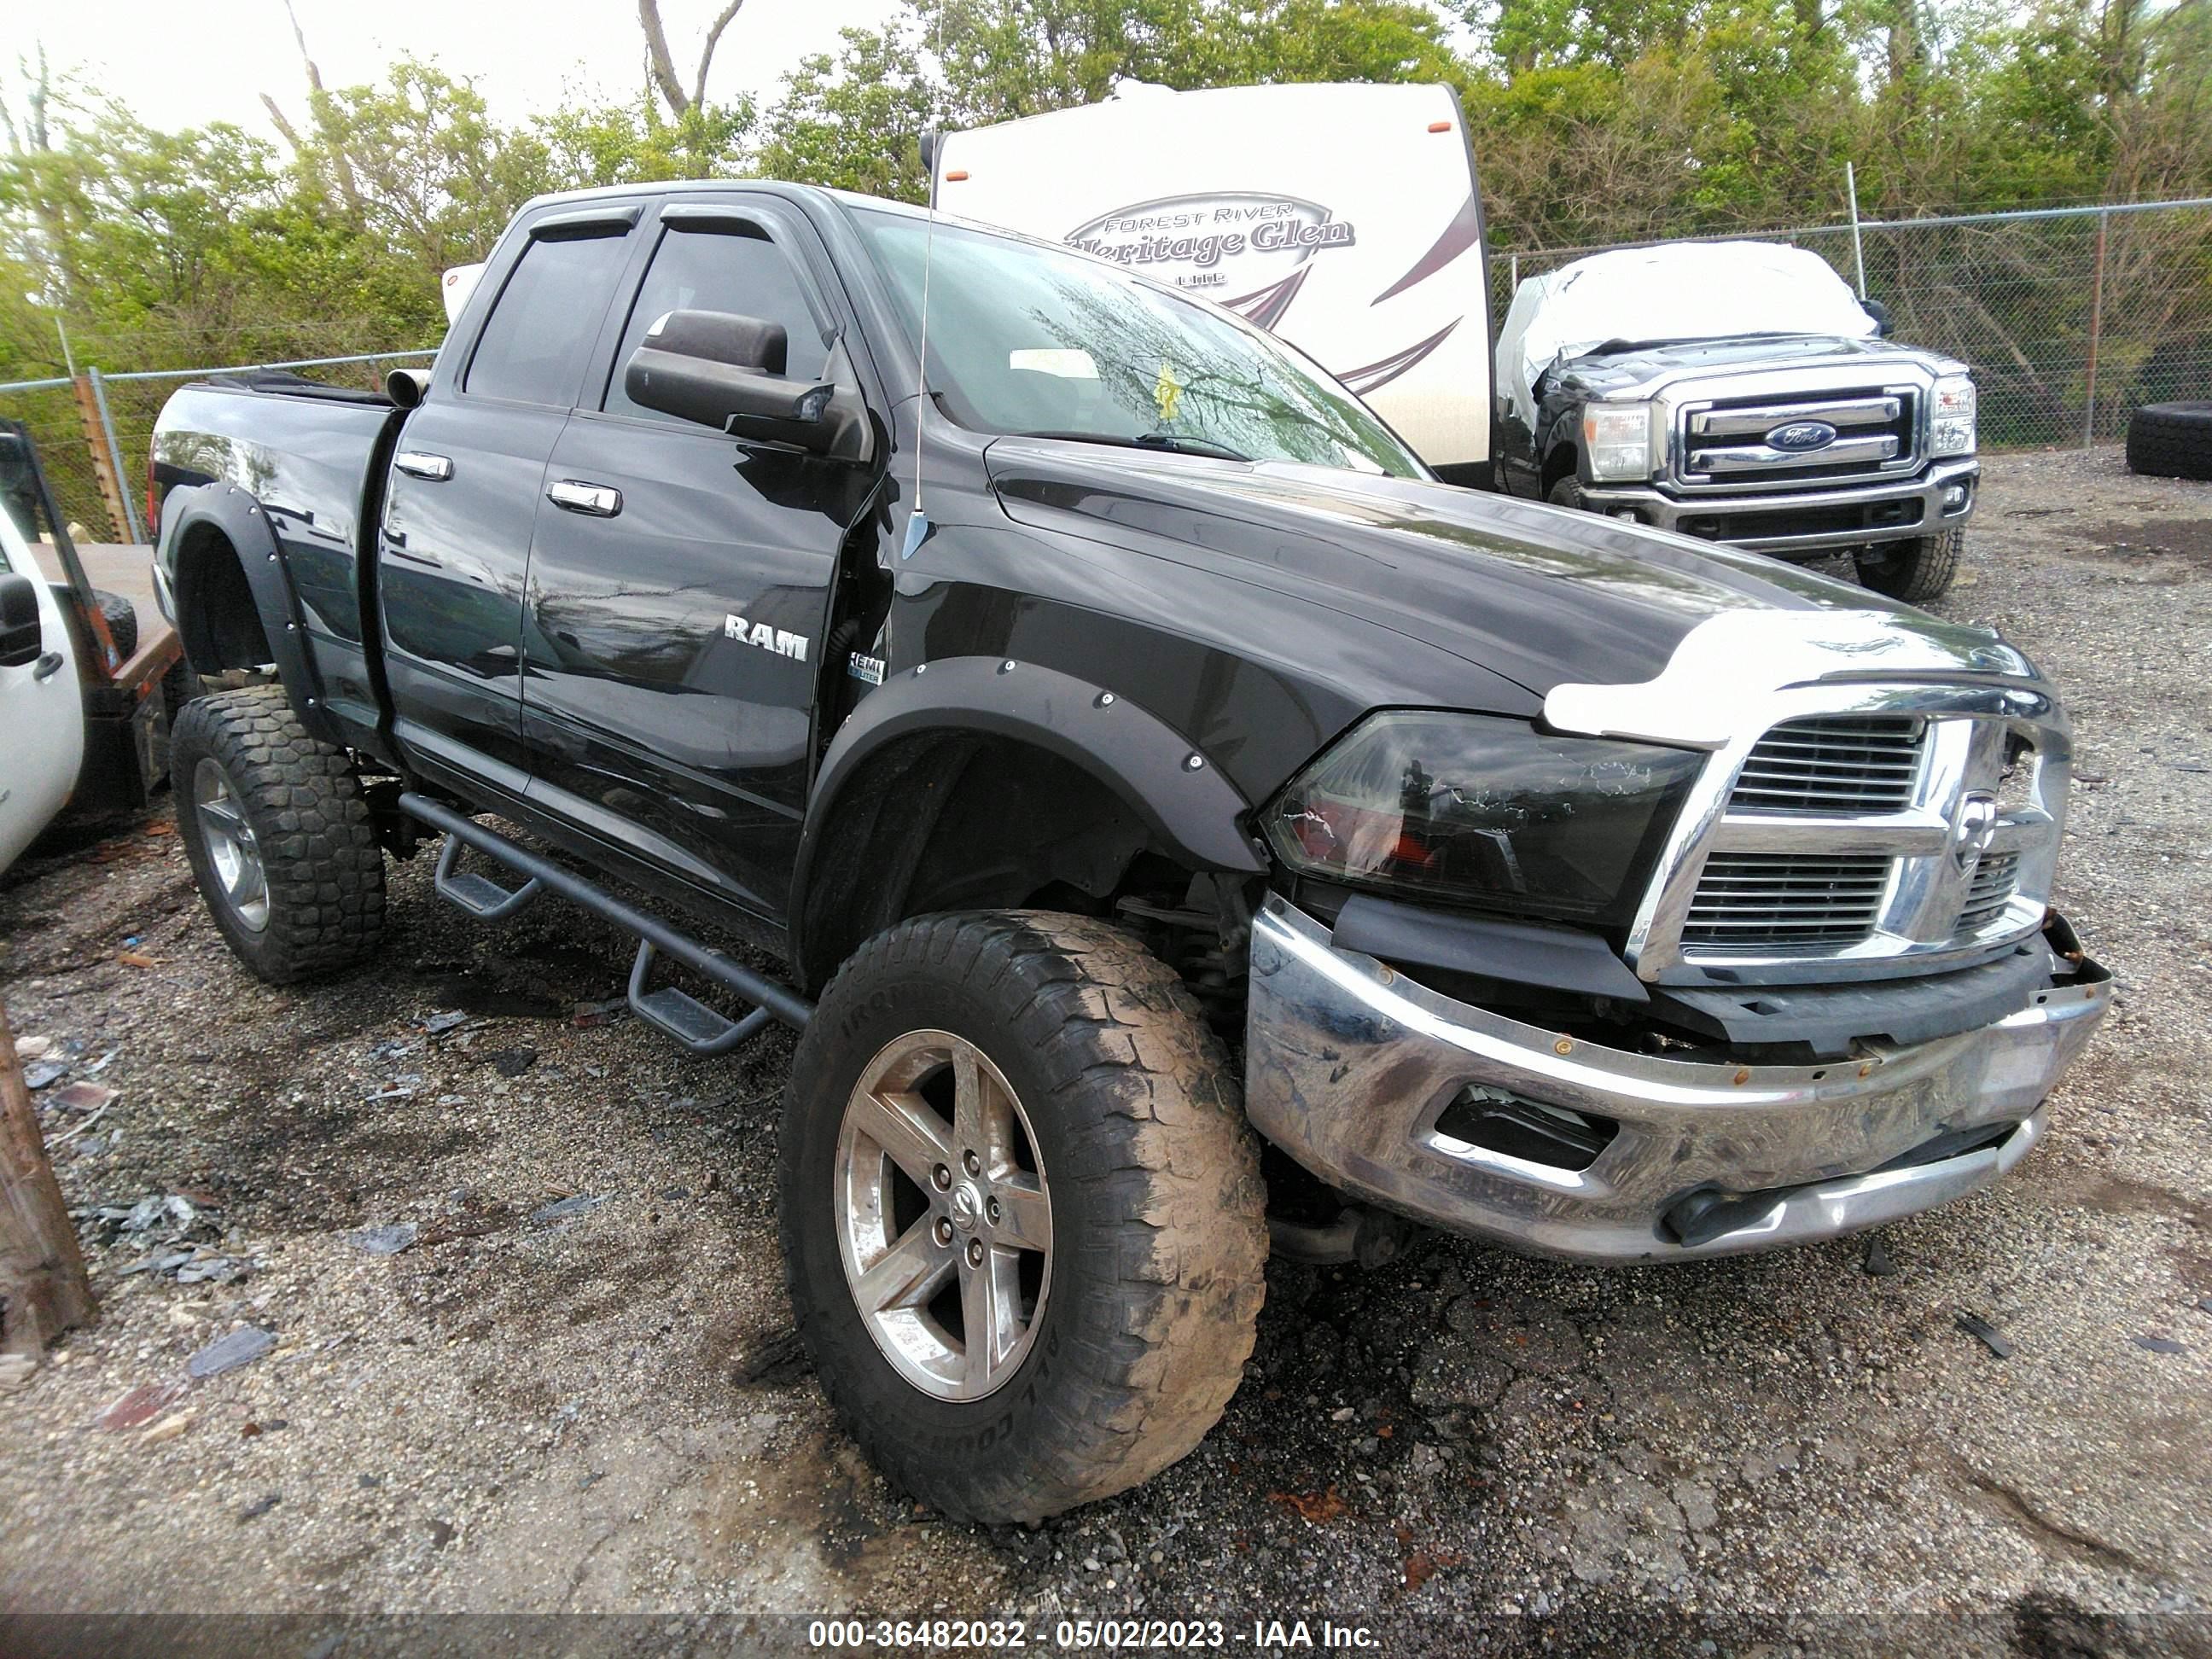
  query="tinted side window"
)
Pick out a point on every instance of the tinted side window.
point(720, 271)
point(547, 317)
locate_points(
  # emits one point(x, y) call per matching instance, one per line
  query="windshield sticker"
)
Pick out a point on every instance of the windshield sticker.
point(1167, 393)
point(1242, 247)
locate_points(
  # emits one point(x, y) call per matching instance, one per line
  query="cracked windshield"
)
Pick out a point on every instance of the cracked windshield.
point(1025, 339)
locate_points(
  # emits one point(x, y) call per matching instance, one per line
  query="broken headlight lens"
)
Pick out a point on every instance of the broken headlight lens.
point(1490, 813)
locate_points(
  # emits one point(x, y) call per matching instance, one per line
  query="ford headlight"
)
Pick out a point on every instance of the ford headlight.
point(1616, 438)
point(1490, 813)
point(1951, 424)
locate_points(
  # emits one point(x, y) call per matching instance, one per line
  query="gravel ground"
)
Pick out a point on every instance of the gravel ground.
point(597, 1406)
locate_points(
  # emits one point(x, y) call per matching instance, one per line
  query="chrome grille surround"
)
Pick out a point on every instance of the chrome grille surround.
point(1989, 789)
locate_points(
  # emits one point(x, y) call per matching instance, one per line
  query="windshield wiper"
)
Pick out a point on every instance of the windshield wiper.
point(1168, 440)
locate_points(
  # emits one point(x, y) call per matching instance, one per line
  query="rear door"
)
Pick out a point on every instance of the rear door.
point(467, 486)
point(679, 580)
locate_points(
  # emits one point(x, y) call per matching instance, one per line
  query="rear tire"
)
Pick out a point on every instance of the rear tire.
point(279, 834)
point(1915, 571)
point(2171, 440)
point(1131, 1331)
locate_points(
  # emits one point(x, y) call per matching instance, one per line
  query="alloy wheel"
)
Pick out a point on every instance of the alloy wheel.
point(943, 1215)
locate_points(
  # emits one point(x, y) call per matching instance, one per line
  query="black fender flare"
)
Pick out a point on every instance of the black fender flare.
point(1181, 798)
point(239, 519)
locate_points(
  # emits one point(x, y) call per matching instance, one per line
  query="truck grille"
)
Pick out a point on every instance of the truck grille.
point(1845, 765)
point(1756, 901)
point(1991, 890)
point(1728, 444)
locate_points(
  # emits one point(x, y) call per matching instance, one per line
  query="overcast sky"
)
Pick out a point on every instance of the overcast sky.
point(184, 64)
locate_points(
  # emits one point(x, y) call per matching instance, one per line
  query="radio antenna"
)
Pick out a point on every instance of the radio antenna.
point(917, 522)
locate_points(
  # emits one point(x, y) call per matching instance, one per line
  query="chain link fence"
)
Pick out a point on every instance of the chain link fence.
point(2070, 317)
point(100, 420)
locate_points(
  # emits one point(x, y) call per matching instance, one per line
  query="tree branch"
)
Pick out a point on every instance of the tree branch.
point(277, 116)
point(707, 51)
point(659, 64)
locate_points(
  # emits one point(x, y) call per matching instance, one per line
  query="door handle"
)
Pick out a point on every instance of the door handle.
point(47, 666)
point(419, 464)
point(598, 501)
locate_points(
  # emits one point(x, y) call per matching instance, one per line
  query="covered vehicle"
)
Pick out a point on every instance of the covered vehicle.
point(1738, 391)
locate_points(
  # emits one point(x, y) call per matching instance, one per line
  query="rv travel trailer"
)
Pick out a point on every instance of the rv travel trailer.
point(1345, 219)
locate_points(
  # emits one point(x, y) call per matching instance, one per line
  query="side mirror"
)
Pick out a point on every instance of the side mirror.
point(21, 639)
point(407, 387)
point(727, 372)
point(1879, 313)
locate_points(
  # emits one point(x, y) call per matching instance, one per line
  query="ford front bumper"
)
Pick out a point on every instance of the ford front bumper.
point(1805, 523)
point(1352, 1064)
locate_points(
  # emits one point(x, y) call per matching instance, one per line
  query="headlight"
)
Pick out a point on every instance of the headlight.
point(1486, 812)
point(1616, 438)
point(1951, 425)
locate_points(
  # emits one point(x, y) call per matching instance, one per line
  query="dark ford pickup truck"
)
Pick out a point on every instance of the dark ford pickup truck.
point(1129, 747)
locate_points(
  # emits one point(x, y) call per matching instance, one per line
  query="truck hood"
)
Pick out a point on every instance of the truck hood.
point(1604, 373)
point(1537, 595)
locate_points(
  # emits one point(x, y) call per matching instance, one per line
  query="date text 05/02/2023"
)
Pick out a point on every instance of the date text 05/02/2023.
point(1091, 1635)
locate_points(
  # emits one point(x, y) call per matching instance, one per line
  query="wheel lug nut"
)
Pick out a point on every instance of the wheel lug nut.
point(942, 1176)
point(943, 1230)
point(972, 1164)
point(992, 1209)
point(974, 1252)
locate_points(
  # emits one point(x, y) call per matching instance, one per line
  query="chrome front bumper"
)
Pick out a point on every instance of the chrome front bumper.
point(1665, 512)
point(1350, 1064)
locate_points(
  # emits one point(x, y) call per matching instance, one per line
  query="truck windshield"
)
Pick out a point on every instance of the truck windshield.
point(1026, 339)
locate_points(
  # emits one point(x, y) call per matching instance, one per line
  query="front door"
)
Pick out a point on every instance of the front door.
point(679, 584)
point(465, 489)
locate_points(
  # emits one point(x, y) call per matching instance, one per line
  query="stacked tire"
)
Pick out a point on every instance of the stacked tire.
point(2171, 440)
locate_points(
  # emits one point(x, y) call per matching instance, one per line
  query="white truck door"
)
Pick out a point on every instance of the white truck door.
point(1345, 219)
point(41, 714)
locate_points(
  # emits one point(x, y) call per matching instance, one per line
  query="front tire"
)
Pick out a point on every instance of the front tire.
point(278, 835)
point(1106, 1237)
point(1915, 571)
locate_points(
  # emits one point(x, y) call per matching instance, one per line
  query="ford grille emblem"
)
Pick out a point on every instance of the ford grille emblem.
point(1799, 436)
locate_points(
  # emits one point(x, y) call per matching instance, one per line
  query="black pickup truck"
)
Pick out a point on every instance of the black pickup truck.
point(1128, 746)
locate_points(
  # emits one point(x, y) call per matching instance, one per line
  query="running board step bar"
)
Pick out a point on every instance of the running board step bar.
point(480, 895)
point(700, 1028)
point(682, 1016)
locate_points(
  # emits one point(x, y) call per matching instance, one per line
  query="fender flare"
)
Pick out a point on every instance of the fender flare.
point(239, 519)
point(1193, 810)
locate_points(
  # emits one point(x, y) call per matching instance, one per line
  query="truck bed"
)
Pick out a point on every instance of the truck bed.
point(312, 456)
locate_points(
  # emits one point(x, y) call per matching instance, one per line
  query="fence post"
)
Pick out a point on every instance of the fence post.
point(115, 458)
point(2096, 332)
point(1858, 251)
point(103, 458)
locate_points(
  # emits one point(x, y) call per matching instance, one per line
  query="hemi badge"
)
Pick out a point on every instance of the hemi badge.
point(870, 669)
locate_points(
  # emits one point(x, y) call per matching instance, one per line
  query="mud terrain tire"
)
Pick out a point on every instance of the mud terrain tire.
point(122, 621)
point(1153, 1280)
point(248, 775)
